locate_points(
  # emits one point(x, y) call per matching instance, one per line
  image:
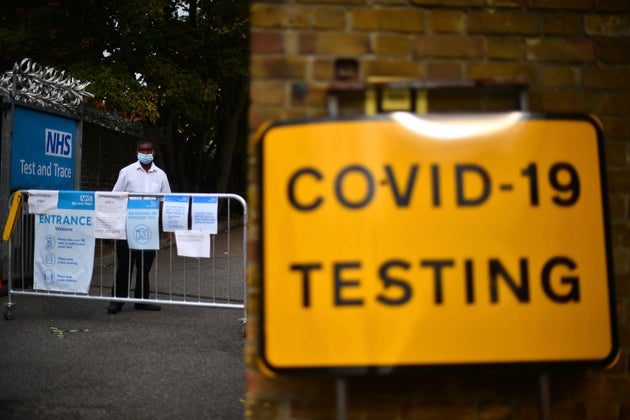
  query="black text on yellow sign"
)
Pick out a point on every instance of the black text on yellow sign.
point(406, 241)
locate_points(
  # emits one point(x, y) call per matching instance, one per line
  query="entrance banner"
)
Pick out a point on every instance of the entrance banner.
point(64, 242)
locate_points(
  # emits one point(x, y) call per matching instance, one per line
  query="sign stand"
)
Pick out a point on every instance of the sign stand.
point(545, 398)
point(341, 398)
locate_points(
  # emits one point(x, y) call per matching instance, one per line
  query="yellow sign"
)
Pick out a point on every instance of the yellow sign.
point(398, 241)
point(14, 210)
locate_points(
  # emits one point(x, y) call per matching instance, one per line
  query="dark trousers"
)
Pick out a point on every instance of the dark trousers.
point(127, 259)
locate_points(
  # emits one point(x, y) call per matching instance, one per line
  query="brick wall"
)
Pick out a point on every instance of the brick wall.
point(575, 56)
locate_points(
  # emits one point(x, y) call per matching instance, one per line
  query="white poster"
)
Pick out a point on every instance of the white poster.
point(204, 213)
point(175, 213)
point(64, 244)
point(42, 201)
point(143, 223)
point(193, 243)
point(110, 215)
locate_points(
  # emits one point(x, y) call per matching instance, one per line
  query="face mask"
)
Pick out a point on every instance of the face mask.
point(145, 159)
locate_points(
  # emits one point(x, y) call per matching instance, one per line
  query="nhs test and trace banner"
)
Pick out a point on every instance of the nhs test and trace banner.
point(42, 155)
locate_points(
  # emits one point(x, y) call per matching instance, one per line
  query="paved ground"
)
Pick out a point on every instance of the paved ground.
point(67, 358)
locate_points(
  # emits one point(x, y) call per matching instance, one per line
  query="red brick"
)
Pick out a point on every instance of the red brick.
point(555, 101)
point(323, 69)
point(446, 3)
point(313, 97)
point(616, 154)
point(617, 207)
point(612, 5)
point(619, 181)
point(561, 76)
point(504, 47)
point(262, 409)
point(446, 21)
point(446, 70)
point(447, 46)
point(597, 387)
point(620, 235)
point(560, 4)
point(562, 24)
point(267, 93)
point(615, 51)
point(332, 2)
point(392, 68)
point(606, 77)
point(334, 43)
point(615, 104)
point(260, 114)
point(278, 16)
point(621, 260)
point(567, 410)
point(572, 50)
point(387, 19)
point(506, 3)
point(266, 43)
point(502, 70)
point(495, 411)
point(391, 45)
point(503, 23)
point(622, 290)
point(616, 128)
point(434, 410)
point(278, 68)
point(607, 25)
point(329, 18)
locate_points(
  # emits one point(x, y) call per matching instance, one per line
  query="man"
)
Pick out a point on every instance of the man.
point(142, 176)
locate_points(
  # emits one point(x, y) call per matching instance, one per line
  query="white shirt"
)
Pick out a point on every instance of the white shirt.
point(134, 179)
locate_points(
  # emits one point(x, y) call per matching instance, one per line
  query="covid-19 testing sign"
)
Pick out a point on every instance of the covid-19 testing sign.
point(43, 151)
point(401, 241)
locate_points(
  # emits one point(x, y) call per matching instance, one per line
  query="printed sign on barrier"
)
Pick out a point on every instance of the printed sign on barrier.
point(64, 242)
point(143, 223)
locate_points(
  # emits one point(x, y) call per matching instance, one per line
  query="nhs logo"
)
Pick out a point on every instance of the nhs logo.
point(58, 143)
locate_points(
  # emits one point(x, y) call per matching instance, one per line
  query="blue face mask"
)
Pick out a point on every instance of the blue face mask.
point(145, 159)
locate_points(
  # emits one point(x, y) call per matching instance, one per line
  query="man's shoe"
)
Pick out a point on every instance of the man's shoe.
point(114, 307)
point(146, 307)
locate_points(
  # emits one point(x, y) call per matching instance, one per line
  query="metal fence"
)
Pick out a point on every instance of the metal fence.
point(218, 281)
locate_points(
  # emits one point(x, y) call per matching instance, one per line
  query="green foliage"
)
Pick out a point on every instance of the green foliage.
point(185, 75)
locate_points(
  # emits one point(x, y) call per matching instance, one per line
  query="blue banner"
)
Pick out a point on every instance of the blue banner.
point(76, 200)
point(42, 151)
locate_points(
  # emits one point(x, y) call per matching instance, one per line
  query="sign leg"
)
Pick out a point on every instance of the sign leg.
point(341, 398)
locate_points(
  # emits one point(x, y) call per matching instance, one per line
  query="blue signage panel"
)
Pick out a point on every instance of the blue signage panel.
point(42, 155)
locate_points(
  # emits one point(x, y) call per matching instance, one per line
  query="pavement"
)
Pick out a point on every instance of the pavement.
point(67, 358)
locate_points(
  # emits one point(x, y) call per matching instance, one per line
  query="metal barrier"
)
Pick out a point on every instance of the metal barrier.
point(218, 281)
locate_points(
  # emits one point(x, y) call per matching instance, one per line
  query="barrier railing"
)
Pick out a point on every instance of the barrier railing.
point(216, 281)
